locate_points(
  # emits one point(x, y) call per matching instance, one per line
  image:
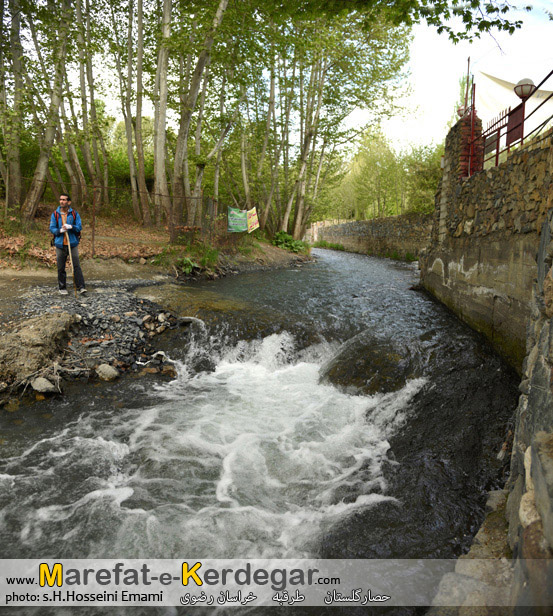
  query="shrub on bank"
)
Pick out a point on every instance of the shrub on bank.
point(331, 245)
point(286, 241)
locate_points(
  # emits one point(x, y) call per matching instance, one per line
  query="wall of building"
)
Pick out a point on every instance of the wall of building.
point(481, 260)
point(398, 236)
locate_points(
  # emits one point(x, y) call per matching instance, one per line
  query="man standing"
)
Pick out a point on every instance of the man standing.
point(65, 225)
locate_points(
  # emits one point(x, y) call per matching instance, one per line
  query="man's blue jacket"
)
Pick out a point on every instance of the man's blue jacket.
point(73, 219)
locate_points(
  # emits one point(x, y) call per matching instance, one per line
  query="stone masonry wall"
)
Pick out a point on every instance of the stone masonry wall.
point(396, 235)
point(496, 230)
point(530, 501)
point(485, 235)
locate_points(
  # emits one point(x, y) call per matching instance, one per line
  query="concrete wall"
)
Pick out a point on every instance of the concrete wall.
point(482, 257)
point(395, 235)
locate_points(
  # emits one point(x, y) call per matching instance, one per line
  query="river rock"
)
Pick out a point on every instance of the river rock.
point(169, 370)
point(43, 386)
point(107, 372)
point(371, 365)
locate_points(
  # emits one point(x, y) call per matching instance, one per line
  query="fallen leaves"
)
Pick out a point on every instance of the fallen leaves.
point(123, 239)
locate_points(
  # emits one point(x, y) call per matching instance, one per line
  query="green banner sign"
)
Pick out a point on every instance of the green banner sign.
point(237, 220)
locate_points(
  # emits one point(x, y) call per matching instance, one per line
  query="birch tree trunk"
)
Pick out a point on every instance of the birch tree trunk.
point(94, 134)
point(85, 138)
point(304, 150)
point(243, 166)
point(310, 137)
point(217, 170)
point(74, 158)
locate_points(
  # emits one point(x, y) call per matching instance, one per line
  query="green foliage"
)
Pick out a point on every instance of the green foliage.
point(186, 265)
point(331, 245)
point(396, 256)
point(203, 252)
point(207, 254)
point(286, 241)
point(165, 258)
point(380, 182)
point(457, 18)
point(359, 46)
point(248, 242)
point(173, 256)
point(423, 173)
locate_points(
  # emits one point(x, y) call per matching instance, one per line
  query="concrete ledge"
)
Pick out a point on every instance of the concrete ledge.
point(488, 284)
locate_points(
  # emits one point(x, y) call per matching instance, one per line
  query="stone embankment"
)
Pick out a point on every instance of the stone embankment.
point(396, 236)
point(519, 524)
point(489, 262)
point(482, 256)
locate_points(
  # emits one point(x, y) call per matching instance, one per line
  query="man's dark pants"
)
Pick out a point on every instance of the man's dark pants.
point(62, 254)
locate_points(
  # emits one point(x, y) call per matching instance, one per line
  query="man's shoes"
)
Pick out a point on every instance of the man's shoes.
point(63, 292)
point(82, 291)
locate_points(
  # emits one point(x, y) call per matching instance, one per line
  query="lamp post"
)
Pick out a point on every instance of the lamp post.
point(524, 90)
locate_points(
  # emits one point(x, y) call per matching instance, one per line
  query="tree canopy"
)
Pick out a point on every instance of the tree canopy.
point(248, 99)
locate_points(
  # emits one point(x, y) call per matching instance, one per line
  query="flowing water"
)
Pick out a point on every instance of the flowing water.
point(248, 453)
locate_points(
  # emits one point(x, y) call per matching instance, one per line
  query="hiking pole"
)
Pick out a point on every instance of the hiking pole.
point(72, 266)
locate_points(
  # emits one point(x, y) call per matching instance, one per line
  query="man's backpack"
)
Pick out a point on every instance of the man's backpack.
point(57, 216)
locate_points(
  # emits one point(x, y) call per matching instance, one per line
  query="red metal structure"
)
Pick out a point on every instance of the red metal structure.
point(503, 132)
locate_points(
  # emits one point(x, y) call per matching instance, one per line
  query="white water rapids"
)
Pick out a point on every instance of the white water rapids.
point(253, 459)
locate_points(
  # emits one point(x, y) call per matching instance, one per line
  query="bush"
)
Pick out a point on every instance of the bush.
point(325, 244)
point(408, 256)
point(286, 241)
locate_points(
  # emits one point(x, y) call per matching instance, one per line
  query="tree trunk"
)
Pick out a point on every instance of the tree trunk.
point(13, 144)
point(245, 180)
point(74, 158)
point(162, 199)
point(190, 104)
point(94, 134)
point(217, 170)
point(86, 133)
point(125, 96)
point(37, 185)
point(312, 120)
point(141, 173)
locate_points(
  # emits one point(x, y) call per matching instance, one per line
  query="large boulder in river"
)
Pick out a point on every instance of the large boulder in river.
point(371, 365)
point(33, 345)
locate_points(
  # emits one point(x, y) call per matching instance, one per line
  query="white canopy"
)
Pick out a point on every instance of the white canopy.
point(493, 95)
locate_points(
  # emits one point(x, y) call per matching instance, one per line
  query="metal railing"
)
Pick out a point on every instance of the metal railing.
point(506, 131)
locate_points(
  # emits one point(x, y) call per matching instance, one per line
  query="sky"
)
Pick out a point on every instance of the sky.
point(436, 65)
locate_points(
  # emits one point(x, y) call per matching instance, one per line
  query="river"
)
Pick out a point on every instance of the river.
point(248, 453)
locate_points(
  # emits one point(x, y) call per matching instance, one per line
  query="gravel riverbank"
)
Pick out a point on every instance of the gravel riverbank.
point(47, 338)
point(107, 332)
